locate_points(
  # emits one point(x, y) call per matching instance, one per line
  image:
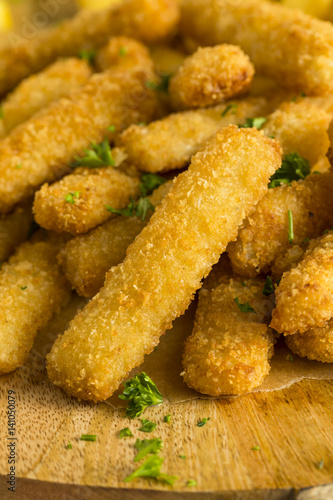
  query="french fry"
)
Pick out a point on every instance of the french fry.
point(314, 344)
point(105, 246)
point(14, 229)
point(164, 266)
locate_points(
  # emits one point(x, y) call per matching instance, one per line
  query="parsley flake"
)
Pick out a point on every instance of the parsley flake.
point(19, 165)
point(112, 128)
point(231, 107)
point(191, 482)
point(245, 308)
point(203, 422)
point(293, 168)
point(182, 457)
point(290, 358)
point(123, 51)
point(147, 425)
point(98, 155)
point(88, 437)
point(255, 448)
point(69, 446)
point(24, 287)
point(88, 55)
point(253, 122)
point(152, 468)
point(71, 197)
point(167, 419)
point(149, 182)
point(126, 432)
point(141, 392)
point(147, 447)
point(138, 208)
point(268, 286)
point(290, 227)
point(162, 85)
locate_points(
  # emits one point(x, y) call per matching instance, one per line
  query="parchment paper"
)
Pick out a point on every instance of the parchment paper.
point(164, 364)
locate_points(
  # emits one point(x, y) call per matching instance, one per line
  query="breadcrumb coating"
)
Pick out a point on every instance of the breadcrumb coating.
point(287, 261)
point(315, 344)
point(264, 235)
point(304, 297)
point(40, 149)
point(165, 264)
point(294, 48)
point(209, 76)
point(31, 290)
point(229, 351)
point(105, 246)
point(123, 51)
point(91, 191)
point(14, 229)
point(169, 143)
point(38, 91)
point(147, 20)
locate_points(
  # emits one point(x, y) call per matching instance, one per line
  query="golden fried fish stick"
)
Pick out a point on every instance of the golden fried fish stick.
point(14, 229)
point(123, 51)
point(78, 202)
point(165, 264)
point(294, 48)
point(209, 76)
point(38, 91)
point(314, 344)
point(105, 246)
point(264, 235)
point(40, 149)
point(169, 143)
point(229, 350)
point(32, 288)
point(148, 20)
point(304, 297)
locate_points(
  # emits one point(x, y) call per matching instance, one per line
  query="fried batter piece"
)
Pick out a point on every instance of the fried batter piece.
point(14, 229)
point(32, 288)
point(165, 264)
point(123, 51)
point(147, 20)
point(38, 91)
point(264, 236)
point(105, 246)
point(229, 350)
point(314, 344)
point(78, 202)
point(209, 76)
point(304, 297)
point(294, 48)
point(40, 149)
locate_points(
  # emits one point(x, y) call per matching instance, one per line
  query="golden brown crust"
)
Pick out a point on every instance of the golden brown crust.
point(315, 344)
point(124, 52)
point(14, 229)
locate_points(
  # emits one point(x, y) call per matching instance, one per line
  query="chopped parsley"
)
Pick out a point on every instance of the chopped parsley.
point(88, 55)
point(203, 422)
point(19, 165)
point(327, 230)
point(191, 482)
point(141, 392)
point(320, 465)
point(306, 240)
point(293, 168)
point(147, 447)
point(88, 437)
point(98, 155)
point(268, 286)
point(69, 446)
point(112, 128)
point(245, 308)
point(147, 425)
point(162, 85)
point(126, 432)
point(255, 448)
point(290, 358)
point(137, 208)
point(182, 457)
point(290, 227)
point(253, 122)
point(24, 287)
point(302, 94)
point(71, 197)
point(167, 419)
point(152, 468)
point(123, 51)
point(231, 107)
point(149, 182)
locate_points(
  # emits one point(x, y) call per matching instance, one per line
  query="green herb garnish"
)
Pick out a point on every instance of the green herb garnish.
point(268, 286)
point(24, 287)
point(290, 358)
point(69, 446)
point(253, 122)
point(182, 457)
point(98, 155)
point(302, 94)
point(255, 448)
point(149, 182)
point(88, 55)
point(152, 468)
point(162, 85)
point(191, 482)
point(123, 51)
point(293, 168)
point(147, 425)
point(320, 464)
point(147, 447)
point(290, 227)
point(203, 422)
point(167, 419)
point(126, 432)
point(19, 165)
point(88, 437)
point(112, 128)
point(137, 208)
point(245, 308)
point(141, 392)
point(231, 107)
point(71, 197)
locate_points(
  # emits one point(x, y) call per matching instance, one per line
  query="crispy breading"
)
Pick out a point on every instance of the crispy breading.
point(314, 344)
point(169, 143)
point(14, 229)
point(38, 91)
point(228, 352)
point(288, 260)
point(165, 264)
point(78, 202)
point(147, 20)
point(294, 48)
point(209, 76)
point(123, 51)
point(40, 149)
point(32, 288)
point(105, 246)
point(304, 297)
point(264, 235)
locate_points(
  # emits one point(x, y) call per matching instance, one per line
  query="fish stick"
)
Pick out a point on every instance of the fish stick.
point(209, 76)
point(38, 91)
point(41, 149)
point(147, 20)
point(78, 202)
point(264, 235)
point(229, 350)
point(169, 143)
point(14, 229)
point(315, 344)
point(294, 48)
point(123, 51)
point(32, 288)
point(165, 264)
point(304, 297)
point(105, 246)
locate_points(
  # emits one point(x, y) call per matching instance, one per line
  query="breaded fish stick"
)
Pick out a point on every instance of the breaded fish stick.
point(264, 235)
point(105, 246)
point(14, 229)
point(123, 51)
point(209, 76)
point(165, 264)
point(40, 149)
point(32, 288)
point(294, 48)
point(229, 350)
point(38, 91)
point(169, 143)
point(78, 202)
point(304, 297)
point(314, 344)
point(147, 20)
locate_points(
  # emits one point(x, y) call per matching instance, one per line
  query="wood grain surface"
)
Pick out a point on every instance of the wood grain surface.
point(292, 427)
